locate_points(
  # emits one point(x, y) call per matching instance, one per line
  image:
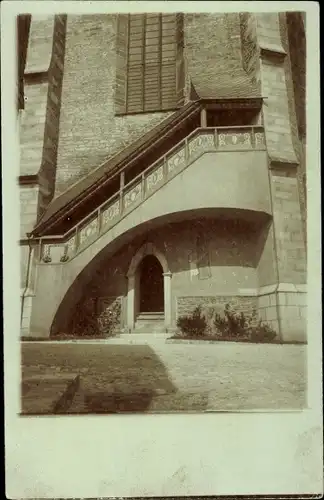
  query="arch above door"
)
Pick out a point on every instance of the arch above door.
point(147, 249)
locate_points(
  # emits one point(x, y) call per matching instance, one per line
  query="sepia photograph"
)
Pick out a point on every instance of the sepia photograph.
point(161, 249)
point(163, 212)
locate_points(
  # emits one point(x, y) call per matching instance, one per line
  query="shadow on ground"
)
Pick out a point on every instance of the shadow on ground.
point(114, 378)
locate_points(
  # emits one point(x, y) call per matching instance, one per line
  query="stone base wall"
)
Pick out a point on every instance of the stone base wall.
point(26, 310)
point(93, 315)
point(285, 311)
point(186, 305)
point(268, 310)
point(293, 314)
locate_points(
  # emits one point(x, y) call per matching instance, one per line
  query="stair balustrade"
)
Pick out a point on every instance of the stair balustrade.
point(62, 248)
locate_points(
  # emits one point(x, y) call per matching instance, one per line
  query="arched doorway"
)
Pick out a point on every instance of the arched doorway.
point(142, 269)
point(151, 285)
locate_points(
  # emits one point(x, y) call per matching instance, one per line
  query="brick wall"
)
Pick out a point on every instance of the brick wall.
point(246, 305)
point(284, 147)
point(276, 110)
point(32, 125)
point(29, 195)
point(250, 50)
point(295, 40)
point(47, 173)
point(213, 51)
point(39, 121)
point(89, 130)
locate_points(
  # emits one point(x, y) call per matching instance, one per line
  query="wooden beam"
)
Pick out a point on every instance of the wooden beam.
point(203, 118)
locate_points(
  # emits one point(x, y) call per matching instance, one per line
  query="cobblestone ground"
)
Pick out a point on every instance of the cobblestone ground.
point(173, 377)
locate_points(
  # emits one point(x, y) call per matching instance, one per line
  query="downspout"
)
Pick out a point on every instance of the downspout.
point(26, 282)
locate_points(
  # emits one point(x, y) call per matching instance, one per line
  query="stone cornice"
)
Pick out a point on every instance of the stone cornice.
point(272, 52)
point(28, 180)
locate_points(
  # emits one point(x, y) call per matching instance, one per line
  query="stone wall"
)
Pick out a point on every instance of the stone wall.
point(39, 121)
point(90, 132)
point(291, 256)
point(228, 269)
point(246, 305)
point(213, 52)
point(95, 316)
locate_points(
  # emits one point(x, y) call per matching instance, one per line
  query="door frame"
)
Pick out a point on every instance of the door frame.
point(133, 288)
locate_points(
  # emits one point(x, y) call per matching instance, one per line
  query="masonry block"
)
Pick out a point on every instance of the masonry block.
point(271, 313)
point(293, 326)
point(264, 301)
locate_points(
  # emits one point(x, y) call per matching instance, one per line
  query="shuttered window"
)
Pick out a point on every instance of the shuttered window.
point(149, 73)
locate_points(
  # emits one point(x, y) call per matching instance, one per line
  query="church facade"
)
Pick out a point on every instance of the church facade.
point(162, 166)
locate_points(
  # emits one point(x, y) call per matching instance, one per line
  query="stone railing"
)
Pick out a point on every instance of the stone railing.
point(58, 249)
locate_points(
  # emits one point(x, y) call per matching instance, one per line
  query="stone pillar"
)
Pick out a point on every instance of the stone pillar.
point(284, 150)
point(131, 302)
point(167, 298)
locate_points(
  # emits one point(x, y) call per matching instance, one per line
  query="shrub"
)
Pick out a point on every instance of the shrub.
point(232, 323)
point(238, 325)
point(109, 319)
point(262, 333)
point(193, 325)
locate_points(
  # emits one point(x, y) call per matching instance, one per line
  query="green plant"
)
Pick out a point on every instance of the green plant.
point(238, 325)
point(262, 333)
point(109, 319)
point(193, 325)
point(232, 323)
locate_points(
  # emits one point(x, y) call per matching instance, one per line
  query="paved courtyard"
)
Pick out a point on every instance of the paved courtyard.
point(160, 377)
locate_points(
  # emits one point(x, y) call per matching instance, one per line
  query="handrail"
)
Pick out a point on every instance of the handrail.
point(150, 167)
point(138, 180)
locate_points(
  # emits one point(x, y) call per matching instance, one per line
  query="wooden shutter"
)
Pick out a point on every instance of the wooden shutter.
point(147, 69)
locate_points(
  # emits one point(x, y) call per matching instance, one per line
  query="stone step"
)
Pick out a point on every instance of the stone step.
point(149, 326)
point(144, 338)
point(150, 316)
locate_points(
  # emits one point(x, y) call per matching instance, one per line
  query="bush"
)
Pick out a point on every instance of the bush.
point(109, 319)
point(233, 323)
point(193, 325)
point(262, 333)
point(239, 326)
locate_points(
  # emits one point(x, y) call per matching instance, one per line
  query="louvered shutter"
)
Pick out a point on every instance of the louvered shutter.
point(149, 66)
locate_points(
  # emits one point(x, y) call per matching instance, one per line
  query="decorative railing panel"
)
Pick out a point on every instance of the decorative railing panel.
point(154, 179)
point(56, 249)
point(234, 139)
point(109, 214)
point(201, 144)
point(88, 231)
point(133, 195)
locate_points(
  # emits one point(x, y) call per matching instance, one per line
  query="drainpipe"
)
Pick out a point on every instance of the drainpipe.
point(26, 281)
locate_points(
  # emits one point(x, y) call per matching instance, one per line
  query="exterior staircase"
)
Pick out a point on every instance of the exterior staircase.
point(64, 247)
point(150, 322)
